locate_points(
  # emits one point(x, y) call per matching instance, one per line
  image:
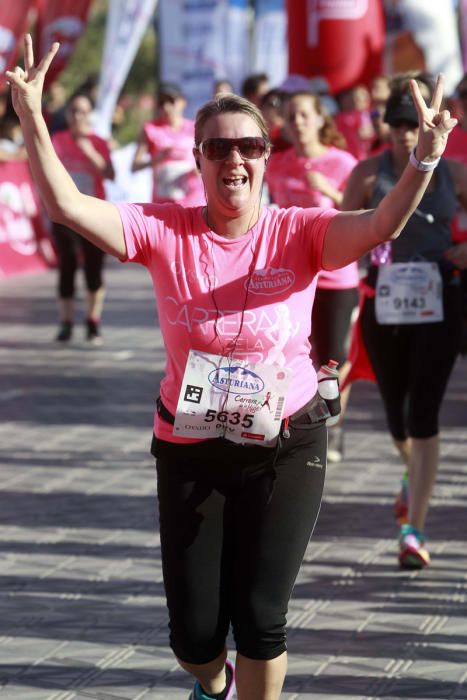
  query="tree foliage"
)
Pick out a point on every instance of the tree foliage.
point(87, 57)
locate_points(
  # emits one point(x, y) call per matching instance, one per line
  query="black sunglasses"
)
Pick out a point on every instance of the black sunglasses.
point(250, 147)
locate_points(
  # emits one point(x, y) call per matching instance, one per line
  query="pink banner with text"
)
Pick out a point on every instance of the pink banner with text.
point(25, 245)
point(14, 17)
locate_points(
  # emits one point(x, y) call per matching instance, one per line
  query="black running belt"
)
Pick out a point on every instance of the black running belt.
point(314, 411)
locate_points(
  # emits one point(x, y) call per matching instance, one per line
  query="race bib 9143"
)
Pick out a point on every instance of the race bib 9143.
point(409, 293)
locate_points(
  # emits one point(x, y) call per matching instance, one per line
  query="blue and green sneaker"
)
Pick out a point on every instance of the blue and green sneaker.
point(198, 694)
point(412, 551)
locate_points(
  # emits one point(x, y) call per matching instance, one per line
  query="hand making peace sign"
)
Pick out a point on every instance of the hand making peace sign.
point(27, 84)
point(434, 126)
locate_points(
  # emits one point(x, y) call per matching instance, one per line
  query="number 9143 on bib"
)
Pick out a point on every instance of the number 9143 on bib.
point(409, 293)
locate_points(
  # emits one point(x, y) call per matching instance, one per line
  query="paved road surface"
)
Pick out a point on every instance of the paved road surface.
point(82, 611)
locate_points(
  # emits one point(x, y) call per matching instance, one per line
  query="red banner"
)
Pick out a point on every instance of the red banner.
point(25, 245)
point(62, 21)
point(14, 18)
point(341, 41)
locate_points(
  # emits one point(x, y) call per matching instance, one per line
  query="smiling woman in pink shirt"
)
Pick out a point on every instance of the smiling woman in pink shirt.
point(239, 434)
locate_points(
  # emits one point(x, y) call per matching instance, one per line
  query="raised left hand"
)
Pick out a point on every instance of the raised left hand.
point(434, 125)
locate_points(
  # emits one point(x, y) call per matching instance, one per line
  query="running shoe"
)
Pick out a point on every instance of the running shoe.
point(64, 332)
point(93, 333)
point(401, 505)
point(412, 551)
point(198, 694)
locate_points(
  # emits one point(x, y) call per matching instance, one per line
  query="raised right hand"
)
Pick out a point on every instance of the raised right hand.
point(434, 126)
point(27, 84)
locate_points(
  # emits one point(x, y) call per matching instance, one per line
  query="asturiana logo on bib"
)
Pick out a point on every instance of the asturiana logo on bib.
point(271, 281)
point(236, 379)
point(409, 273)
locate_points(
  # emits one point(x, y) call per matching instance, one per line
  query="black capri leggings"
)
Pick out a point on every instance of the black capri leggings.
point(412, 364)
point(330, 324)
point(233, 532)
point(69, 244)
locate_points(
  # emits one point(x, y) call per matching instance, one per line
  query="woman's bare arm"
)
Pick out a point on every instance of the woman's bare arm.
point(95, 219)
point(352, 234)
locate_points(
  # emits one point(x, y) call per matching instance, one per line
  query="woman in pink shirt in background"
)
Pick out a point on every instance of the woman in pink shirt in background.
point(354, 120)
point(86, 158)
point(313, 173)
point(166, 145)
point(240, 445)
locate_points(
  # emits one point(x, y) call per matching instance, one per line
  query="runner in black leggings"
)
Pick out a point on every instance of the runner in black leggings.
point(313, 173)
point(412, 357)
point(87, 159)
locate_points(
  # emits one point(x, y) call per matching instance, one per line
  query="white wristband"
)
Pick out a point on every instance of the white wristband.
point(423, 165)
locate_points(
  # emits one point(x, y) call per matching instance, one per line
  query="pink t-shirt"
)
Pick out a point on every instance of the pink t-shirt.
point(199, 277)
point(456, 149)
point(175, 178)
point(85, 176)
point(288, 185)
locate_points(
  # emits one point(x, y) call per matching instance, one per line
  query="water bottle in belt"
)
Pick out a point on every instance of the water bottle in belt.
point(328, 389)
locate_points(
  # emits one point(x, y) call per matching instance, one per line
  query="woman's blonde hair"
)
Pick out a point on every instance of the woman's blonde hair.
point(228, 103)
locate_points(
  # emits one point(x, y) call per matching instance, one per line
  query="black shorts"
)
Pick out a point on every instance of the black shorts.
point(234, 529)
point(412, 364)
point(70, 248)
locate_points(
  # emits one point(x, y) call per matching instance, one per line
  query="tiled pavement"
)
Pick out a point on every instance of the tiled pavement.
point(82, 610)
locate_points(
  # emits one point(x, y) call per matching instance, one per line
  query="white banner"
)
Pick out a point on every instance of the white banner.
point(270, 40)
point(202, 41)
point(433, 27)
point(128, 186)
point(127, 21)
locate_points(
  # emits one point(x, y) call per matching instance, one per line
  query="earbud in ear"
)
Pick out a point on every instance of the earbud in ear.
point(198, 165)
